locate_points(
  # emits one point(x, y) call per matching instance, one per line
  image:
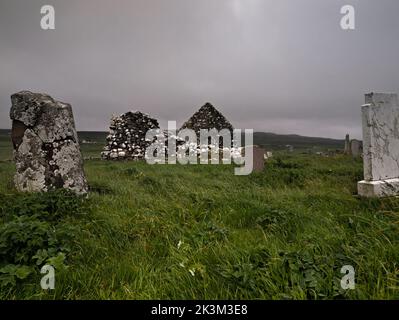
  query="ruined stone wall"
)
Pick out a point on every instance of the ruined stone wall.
point(126, 140)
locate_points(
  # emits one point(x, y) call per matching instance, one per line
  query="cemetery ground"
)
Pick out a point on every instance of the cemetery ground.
point(199, 232)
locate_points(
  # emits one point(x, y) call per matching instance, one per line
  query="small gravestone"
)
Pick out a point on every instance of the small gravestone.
point(46, 146)
point(380, 146)
point(259, 159)
point(356, 148)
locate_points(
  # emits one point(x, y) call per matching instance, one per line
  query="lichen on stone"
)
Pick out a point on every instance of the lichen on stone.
point(46, 147)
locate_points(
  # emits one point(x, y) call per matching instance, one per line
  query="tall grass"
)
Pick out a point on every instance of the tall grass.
point(199, 232)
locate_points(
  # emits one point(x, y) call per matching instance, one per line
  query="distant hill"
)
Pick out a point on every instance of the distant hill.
point(265, 139)
point(280, 141)
point(5, 134)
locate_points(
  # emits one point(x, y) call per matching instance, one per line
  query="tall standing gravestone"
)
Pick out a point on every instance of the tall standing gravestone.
point(46, 146)
point(380, 146)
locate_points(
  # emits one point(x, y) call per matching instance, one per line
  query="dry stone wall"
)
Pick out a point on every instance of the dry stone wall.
point(126, 140)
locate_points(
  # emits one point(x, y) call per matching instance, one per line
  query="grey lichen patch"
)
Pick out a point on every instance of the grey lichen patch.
point(66, 158)
point(56, 123)
point(46, 148)
point(26, 106)
point(30, 164)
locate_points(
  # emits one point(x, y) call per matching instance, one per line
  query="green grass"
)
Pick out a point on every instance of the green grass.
point(199, 232)
point(5, 148)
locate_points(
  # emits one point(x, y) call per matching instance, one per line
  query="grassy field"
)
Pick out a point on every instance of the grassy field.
point(199, 232)
point(5, 146)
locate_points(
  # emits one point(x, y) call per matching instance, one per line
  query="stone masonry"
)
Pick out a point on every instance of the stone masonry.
point(127, 137)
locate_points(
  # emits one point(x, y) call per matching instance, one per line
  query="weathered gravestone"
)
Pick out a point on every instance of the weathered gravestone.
point(356, 148)
point(259, 159)
point(380, 146)
point(46, 146)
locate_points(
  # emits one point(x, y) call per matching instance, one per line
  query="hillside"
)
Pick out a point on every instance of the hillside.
point(278, 141)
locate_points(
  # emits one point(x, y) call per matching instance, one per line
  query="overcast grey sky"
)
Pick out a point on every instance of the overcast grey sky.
point(281, 66)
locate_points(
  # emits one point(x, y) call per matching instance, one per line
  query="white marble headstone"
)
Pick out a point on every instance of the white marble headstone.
point(380, 145)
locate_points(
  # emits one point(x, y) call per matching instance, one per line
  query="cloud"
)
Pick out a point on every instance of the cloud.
point(283, 66)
